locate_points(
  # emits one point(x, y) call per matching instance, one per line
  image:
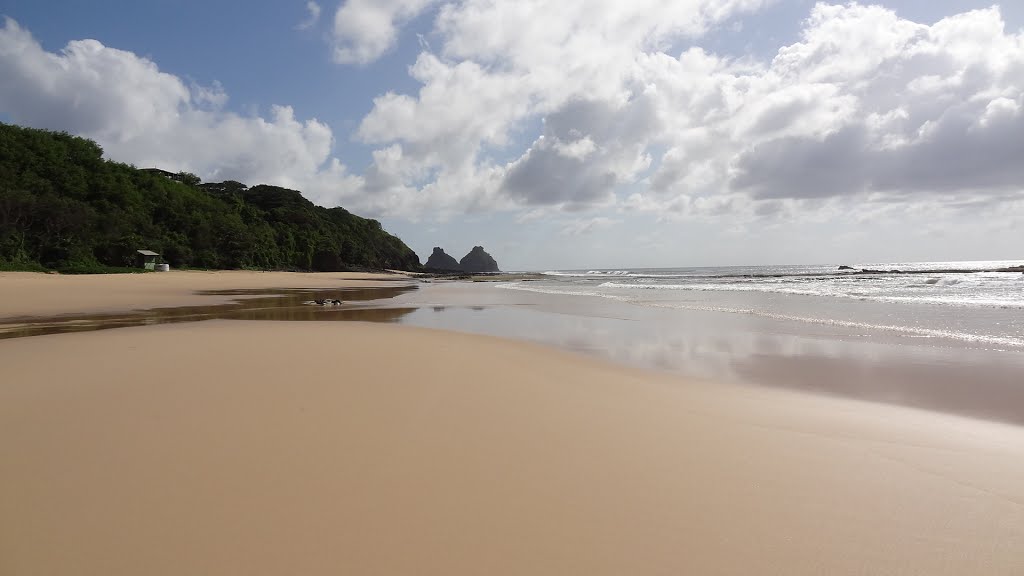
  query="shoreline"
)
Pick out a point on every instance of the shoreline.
point(719, 347)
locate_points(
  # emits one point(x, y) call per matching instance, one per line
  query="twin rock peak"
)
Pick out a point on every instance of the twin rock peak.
point(476, 261)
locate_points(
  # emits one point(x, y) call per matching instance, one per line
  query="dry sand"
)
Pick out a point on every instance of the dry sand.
point(32, 294)
point(231, 447)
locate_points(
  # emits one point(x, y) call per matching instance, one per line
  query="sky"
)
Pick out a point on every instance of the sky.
point(570, 134)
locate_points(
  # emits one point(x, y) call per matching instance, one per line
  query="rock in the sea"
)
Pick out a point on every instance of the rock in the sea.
point(844, 267)
point(440, 261)
point(478, 261)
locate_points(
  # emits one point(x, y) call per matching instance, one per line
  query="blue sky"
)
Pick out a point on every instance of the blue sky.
point(582, 134)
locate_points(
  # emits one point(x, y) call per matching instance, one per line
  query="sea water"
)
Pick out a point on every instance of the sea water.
point(964, 302)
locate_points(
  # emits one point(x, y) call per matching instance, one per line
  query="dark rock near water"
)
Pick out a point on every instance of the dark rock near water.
point(440, 261)
point(478, 261)
point(846, 267)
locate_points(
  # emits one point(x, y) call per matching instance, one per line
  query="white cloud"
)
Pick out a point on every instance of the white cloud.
point(923, 109)
point(212, 97)
point(460, 108)
point(73, 91)
point(587, 150)
point(311, 20)
point(150, 118)
point(504, 64)
point(576, 149)
point(865, 104)
point(365, 29)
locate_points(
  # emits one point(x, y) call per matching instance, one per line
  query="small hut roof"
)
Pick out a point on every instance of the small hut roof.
point(148, 253)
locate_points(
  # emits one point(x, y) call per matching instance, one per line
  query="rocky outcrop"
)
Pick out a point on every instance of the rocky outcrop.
point(440, 261)
point(478, 261)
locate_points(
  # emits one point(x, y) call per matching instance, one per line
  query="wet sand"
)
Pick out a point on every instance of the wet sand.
point(930, 373)
point(230, 447)
point(284, 304)
point(29, 294)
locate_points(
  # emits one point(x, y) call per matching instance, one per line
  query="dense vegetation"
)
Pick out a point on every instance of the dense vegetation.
point(62, 206)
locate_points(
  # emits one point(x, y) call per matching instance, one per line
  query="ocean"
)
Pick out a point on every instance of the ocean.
point(962, 302)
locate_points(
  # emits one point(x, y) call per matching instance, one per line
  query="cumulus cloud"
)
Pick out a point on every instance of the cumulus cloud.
point(460, 108)
point(72, 90)
point(312, 18)
point(366, 29)
point(588, 149)
point(932, 109)
point(150, 118)
point(865, 104)
point(504, 64)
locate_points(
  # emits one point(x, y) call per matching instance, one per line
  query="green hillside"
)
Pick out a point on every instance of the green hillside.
point(62, 206)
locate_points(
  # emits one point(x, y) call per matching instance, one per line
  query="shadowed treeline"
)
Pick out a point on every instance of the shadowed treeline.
point(63, 207)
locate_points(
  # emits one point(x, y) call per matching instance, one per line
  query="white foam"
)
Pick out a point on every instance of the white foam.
point(541, 290)
point(878, 292)
point(909, 330)
point(598, 274)
point(1007, 342)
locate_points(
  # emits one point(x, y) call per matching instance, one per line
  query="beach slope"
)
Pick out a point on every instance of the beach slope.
point(230, 447)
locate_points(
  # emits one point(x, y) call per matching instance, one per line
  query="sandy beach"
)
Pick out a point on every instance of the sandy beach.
point(248, 447)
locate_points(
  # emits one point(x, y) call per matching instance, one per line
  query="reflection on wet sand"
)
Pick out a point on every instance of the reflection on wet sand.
point(717, 347)
point(928, 374)
point(263, 304)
